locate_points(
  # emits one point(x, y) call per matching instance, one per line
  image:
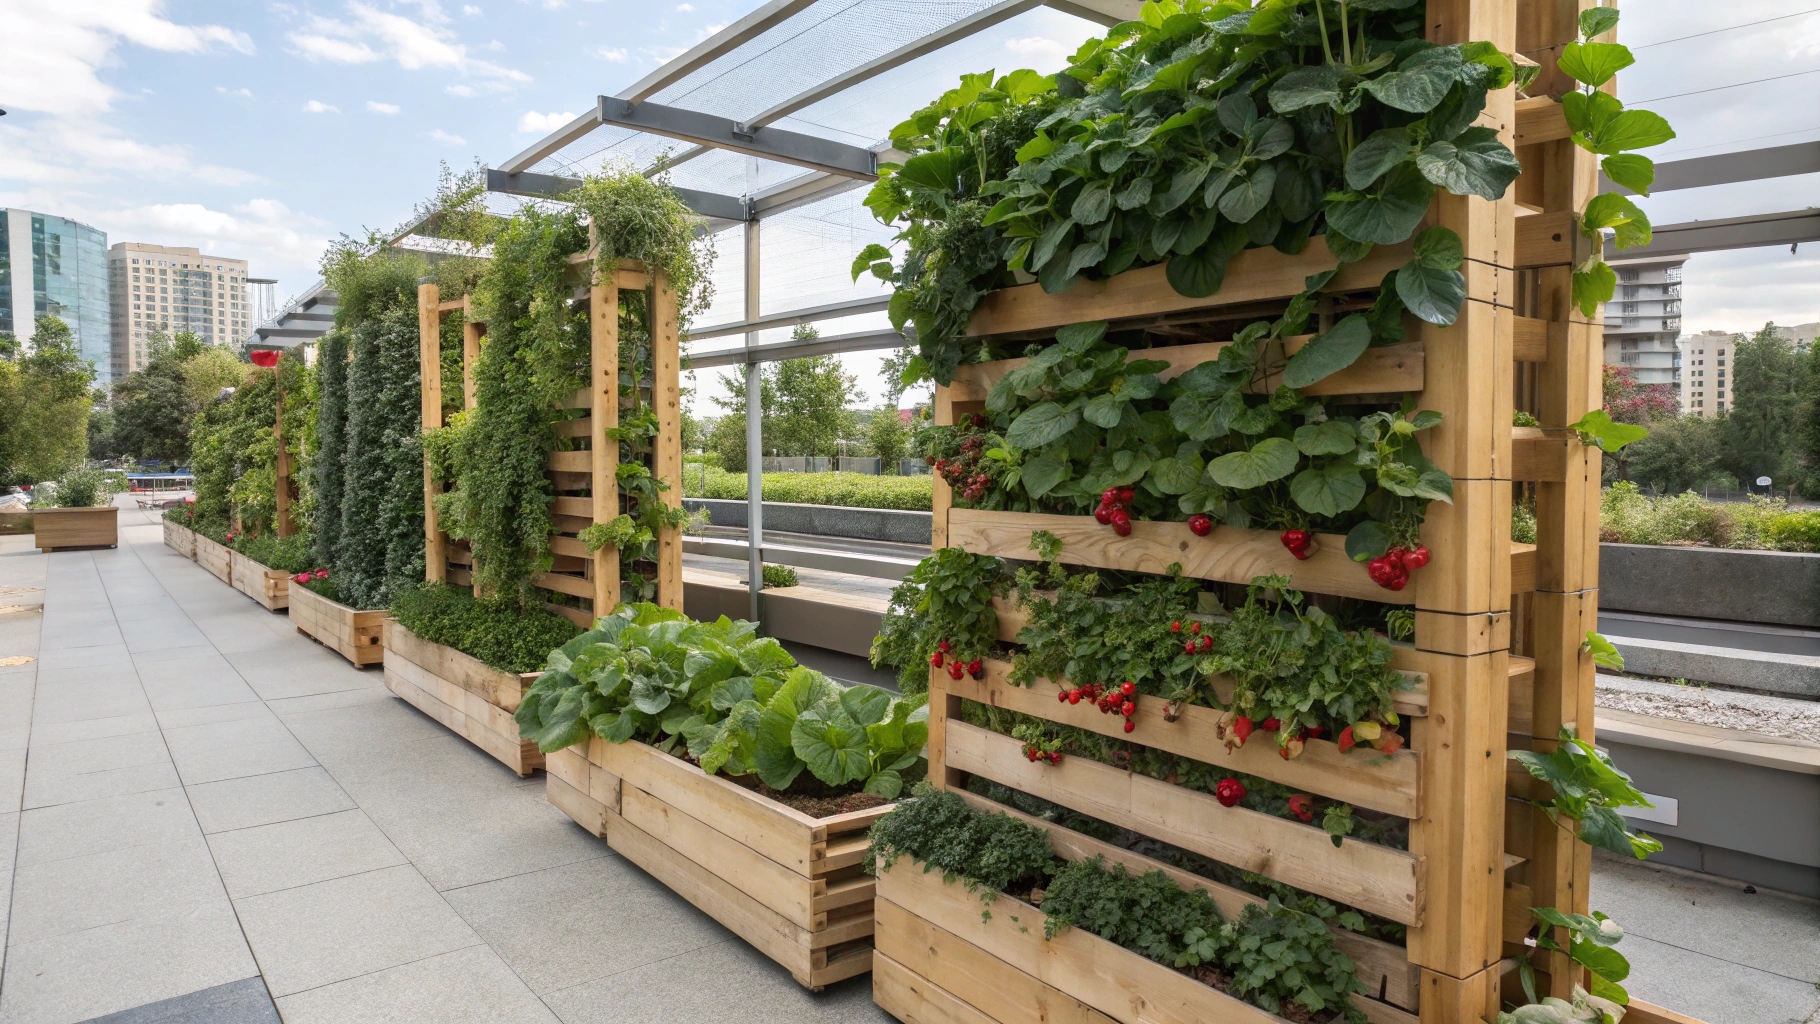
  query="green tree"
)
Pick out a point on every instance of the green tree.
point(889, 439)
point(1759, 432)
point(155, 406)
point(806, 407)
point(1678, 455)
point(1808, 439)
point(44, 404)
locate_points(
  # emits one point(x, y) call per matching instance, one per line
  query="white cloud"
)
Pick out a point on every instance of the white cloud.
point(71, 152)
point(245, 94)
point(319, 107)
point(369, 34)
point(531, 122)
point(1040, 53)
point(612, 53)
point(447, 139)
point(460, 90)
point(686, 8)
point(53, 51)
point(470, 11)
point(377, 107)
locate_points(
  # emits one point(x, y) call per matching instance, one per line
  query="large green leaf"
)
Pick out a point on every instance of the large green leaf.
point(1611, 210)
point(1270, 459)
point(1204, 417)
point(1420, 82)
point(1306, 87)
point(831, 744)
point(1631, 129)
point(1328, 353)
point(938, 169)
point(1368, 540)
point(1381, 150)
point(1387, 216)
point(866, 705)
point(1104, 411)
point(1177, 474)
point(1045, 473)
point(1200, 273)
point(1594, 63)
point(1248, 195)
point(1329, 437)
point(1328, 489)
point(1433, 295)
point(1041, 424)
point(1093, 204)
point(1594, 285)
point(1474, 163)
point(1632, 171)
point(1596, 21)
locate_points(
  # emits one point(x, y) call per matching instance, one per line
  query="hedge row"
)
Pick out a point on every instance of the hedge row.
point(1627, 516)
point(849, 490)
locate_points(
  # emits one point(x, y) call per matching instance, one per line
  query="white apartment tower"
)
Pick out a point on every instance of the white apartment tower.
point(1704, 390)
point(166, 288)
point(1643, 319)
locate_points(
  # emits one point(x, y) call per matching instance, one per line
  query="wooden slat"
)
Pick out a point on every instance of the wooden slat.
point(501, 689)
point(1540, 119)
point(571, 505)
point(1522, 568)
point(1381, 965)
point(914, 999)
point(583, 399)
point(582, 809)
point(1546, 239)
point(571, 462)
point(581, 426)
point(471, 332)
point(931, 958)
point(574, 586)
point(1530, 336)
point(1365, 777)
point(1251, 276)
point(630, 277)
point(603, 361)
point(1381, 370)
point(666, 397)
point(1228, 554)
point(1373, 878)
point(1537, 455)
point(429, 365)
point(451, 305)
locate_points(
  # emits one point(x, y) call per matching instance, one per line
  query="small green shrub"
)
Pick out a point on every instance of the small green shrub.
point(1793, 531)
point(779, 576)
point(989, 851)
point(847, 490)
point(496, 631)
point(1628, 516)
point(86, 487)
point(293, 554)
point(1522, 523)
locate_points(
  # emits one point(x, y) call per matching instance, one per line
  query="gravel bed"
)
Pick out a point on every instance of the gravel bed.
point(1784, 717)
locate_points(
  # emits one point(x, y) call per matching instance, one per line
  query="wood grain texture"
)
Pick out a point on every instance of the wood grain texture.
point(1382, 782)
point(666, 395)
point(429, 365)
point(603, 362)
point(356, 634)
point(180, 539)
point(471, 698)
point(932, 960)
point(58, 529)
point(216, 558)
point(1374, 878)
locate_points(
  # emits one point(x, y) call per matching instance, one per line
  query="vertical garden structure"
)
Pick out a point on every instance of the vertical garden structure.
point(1479, 854)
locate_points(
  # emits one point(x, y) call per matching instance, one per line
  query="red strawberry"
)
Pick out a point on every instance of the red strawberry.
point(1126, 495)
point(322, 574)
point(1128, 688)
point(1062, 696)
point(1416, 559)
point(1270, 724)
point(1175, 627)
point(955, 670)
point(1130, 726)
point(974, 667)
point(1346, 741)
point(1121, 522)
point(1055, 757)
point(302, 577)
point(1390, 741)
point(1313, 732)
point(1241, 727)
point(1074, 696)
point(1188, 647)
point(1109, 496)
point(1398, 582)
point(943, 647)
point(935, 659)
point(1302, 806)
point(1129, 708)
point(1206, 643)
point(1194, 627)
point(1200, 524)
point(1103, 515)
point(1229, 792)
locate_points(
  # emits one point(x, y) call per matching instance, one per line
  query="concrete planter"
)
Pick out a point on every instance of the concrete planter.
point(57, 529)
point(1774, 587)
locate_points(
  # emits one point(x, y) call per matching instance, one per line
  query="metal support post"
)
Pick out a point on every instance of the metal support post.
point(755, 452)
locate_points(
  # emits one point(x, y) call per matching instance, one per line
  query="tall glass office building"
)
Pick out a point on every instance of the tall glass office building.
point(57, 267)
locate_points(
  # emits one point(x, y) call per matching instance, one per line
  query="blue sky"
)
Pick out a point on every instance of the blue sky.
point(261, 130)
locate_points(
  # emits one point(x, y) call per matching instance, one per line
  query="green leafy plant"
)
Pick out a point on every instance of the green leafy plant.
point(1148, 914)
point(988, 852)
point(1584, 1007)
point(946, 598)
point(85, 486)
point(849, 490)
point(1589, 789)
point(496, 631)
point(779, 576)
point(1605, 653)
point(1597, 428)
point(1601, 124)
point(1590, 944)
point(292, 554)
point(380, 549)
point(735, 701)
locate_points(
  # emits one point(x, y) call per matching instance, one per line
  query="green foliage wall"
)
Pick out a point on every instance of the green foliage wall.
point(332, 441)
point(234, 449)
point(380, 540)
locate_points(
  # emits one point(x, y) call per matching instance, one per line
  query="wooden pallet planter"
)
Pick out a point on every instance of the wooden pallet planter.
point(61, 529)
point(216, 558)
point(356, 634)
point(791, 885)
point(940, 959)
point(180, 539)
point(270, 587)
point(470, 697)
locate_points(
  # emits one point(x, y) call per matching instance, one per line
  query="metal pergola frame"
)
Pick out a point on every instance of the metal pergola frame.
point(833, 167)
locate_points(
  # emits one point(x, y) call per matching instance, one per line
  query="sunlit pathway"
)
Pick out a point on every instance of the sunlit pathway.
point(209, 818)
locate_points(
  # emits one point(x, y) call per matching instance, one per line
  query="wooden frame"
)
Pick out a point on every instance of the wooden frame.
point(61, 529)
point(472, 698)
point(578, 474)
point(355, 634)
point(270, 587)
point(791, 885)
point(180, 539)
point(216, 558)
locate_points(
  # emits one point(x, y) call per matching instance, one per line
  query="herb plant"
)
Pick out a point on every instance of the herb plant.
point(946, 599)
point(1588, 789)
point(496, 631)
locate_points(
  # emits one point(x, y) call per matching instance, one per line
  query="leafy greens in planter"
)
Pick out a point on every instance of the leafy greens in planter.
point(1198, 131)
point(737, 703)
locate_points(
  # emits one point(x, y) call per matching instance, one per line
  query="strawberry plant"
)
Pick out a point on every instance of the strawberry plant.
point(941, 612)
point(1588, 789)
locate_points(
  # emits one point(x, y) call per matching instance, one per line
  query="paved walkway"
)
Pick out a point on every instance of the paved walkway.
point(208, 819)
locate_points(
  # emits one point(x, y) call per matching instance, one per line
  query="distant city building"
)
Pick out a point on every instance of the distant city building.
point(1643, 319)
point(162, 288)
point(1703, 365)
point(57, 267)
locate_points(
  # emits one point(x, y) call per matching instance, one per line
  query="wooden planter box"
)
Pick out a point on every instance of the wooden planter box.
point(462, 692)
point(270, 587)
point(180, 539)
point(58, 529)
point(216, 558)
point(946, 961)
point(789, 884)
point(15, 523)
point(356, 635)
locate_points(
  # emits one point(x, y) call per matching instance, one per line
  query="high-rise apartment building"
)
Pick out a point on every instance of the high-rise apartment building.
point(1705, 390)
point(54, 266)
point(1643, 319)
point(163, 288)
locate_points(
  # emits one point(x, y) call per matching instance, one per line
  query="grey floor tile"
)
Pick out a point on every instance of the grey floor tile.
point(123, 964)
point(62, 831)
point(1764, 929)
point(266, 799)
point(170, 879)
point(459, 835)
point(59, 773)
point(12, 776)
point(232, 749)
point(287, 854)
point(300, 671)
point(704, 983)
point(374, 691)
point(331, 931)
point(467, 986)
point(86, 657)
point(237, 1002)
point(193, 682)
point(215, 714)
point(566, 925)
point(166, 654)
point(1712, 990)
point(63, 637)
point(98, 697)
point(47, 733)
point(156, 635)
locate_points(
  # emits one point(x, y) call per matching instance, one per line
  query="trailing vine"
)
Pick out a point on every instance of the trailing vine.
point(1198, 131)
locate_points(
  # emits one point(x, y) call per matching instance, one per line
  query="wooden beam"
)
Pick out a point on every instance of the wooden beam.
point(603, 361)
point(666, 395)
point(429, 363)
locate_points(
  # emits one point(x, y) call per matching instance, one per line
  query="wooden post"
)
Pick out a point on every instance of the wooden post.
point(470, 350)
point(282, 520)
point(429, 361)
point(603, 335)
point(666, 396)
